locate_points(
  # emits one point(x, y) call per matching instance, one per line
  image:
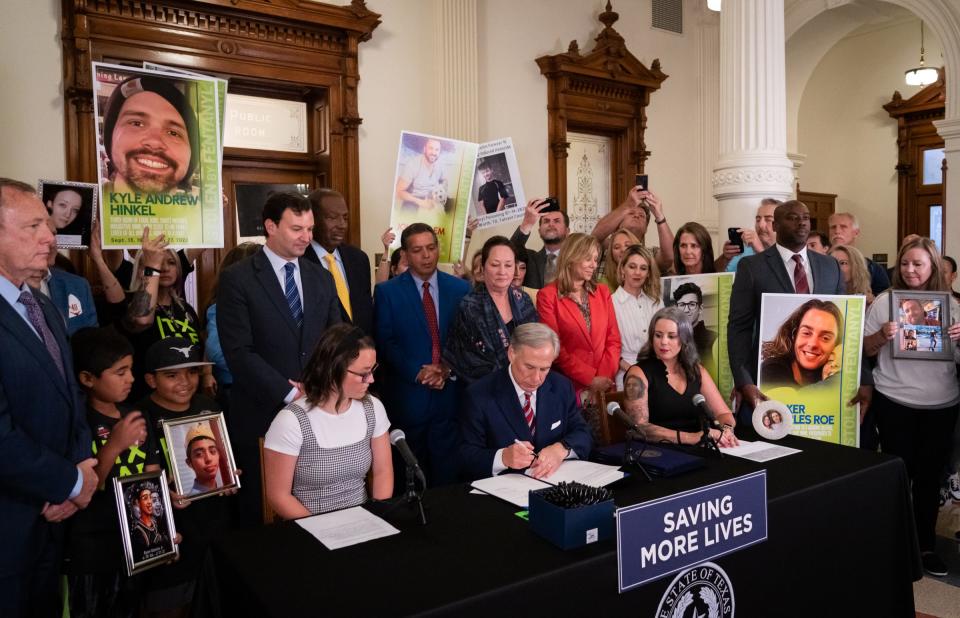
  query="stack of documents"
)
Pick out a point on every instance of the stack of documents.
point(347, 527)
point(515, 488)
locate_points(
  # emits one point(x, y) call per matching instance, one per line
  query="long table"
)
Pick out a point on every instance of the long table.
point(841, 541)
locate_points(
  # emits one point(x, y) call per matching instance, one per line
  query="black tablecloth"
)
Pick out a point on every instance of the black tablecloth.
point(841, 541)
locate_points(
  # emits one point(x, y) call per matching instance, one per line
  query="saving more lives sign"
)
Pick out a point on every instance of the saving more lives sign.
point(663, 536)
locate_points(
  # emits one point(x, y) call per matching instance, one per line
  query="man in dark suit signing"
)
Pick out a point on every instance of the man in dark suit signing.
point(523, 416)
point(272, 308)
point(46, 469)
point(785, 268)
point(349, 266)
point(553, 228)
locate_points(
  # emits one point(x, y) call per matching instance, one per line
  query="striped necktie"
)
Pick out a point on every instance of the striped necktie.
point(528, 413)
point(800, 283)
point(293, 294)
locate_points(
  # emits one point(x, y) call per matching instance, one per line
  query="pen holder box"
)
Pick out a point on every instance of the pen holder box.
point(570, 528)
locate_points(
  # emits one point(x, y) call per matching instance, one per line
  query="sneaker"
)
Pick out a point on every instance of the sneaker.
point(933, 565)
point(955, 486)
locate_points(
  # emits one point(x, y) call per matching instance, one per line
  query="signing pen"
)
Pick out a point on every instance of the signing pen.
point(535, 455)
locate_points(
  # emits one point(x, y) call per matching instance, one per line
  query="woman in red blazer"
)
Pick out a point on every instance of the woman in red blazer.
point(581, 312)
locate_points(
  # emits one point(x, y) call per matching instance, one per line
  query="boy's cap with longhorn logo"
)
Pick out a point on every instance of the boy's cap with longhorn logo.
point(174, 353)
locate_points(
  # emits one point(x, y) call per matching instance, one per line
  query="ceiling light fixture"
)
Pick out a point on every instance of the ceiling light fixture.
point(921, 75)
point(713, 5)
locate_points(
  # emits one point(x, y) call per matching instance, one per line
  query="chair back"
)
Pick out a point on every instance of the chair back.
point(269, 515)
point(612, 430)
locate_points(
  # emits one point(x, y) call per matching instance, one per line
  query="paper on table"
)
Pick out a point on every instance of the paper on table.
point(586, 472)
point(514, 488)
point(758, 451)
point(347, 527)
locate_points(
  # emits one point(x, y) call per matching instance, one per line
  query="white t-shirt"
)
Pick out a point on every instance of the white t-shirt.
point(330, 430)
point(915, 383)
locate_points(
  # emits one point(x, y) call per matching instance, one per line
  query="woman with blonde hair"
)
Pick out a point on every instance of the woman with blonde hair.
point(915, 400)
point(581, 312)
point(619, 241)
point(635, 302)
point(853, 267)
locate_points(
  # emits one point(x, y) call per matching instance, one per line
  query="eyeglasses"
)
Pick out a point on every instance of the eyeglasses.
point(688, 306)
point(366, 375)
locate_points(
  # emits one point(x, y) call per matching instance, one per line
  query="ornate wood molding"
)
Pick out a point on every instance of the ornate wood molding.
point(915, 131)
point(603, 92)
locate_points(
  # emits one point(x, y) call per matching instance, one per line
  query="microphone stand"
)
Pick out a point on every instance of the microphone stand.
point(411, 494)
point(634, 458)
point(706, 441)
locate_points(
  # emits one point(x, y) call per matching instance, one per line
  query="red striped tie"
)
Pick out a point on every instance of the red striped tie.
point(430, 312)
point(528, 413)
point(800, 283)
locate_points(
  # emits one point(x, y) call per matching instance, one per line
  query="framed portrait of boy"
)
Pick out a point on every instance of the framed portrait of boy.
point(73, 210)
point(922, 321)
point(146, 520)
point(201, 459)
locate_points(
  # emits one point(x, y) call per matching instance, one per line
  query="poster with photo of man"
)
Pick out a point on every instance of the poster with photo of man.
point(705, 300)
point(158, 141)
point(810, 355)
point(497, 189)
point(432, 185)
point(72, 208)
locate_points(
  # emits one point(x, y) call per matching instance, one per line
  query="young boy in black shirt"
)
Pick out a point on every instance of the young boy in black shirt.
point(172, 371)
point(124, 445)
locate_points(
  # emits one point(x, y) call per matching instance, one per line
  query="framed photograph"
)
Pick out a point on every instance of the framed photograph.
point(922, 321)
point(72, 208)
point(201, 459)
point(250, 200)
point(146, 520)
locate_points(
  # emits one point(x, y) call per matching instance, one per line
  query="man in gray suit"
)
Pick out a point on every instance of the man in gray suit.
point(553, 228)
point(785, 268)
point(272, 308)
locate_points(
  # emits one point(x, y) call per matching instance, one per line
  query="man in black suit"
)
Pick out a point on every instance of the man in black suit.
point(46, 469)
point(351, 272)
point(553, 227)
point(785, 268)
point(272, 308)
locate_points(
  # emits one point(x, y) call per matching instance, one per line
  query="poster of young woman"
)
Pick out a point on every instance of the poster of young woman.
point(705, 299)
point(158, 142)
point(810, 355)
point(432, 185)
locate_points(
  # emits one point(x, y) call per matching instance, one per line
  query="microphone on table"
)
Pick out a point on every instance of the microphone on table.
point(399, 440)
point(706, 440)
point(614, 409)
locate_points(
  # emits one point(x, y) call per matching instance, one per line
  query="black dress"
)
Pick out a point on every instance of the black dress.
point(668, 408)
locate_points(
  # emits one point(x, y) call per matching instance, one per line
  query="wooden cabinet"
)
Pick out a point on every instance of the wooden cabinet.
point(821, 206)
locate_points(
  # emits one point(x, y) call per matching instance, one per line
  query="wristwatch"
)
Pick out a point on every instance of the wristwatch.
point(149, 271)
point(660, 221)
point(564, 444)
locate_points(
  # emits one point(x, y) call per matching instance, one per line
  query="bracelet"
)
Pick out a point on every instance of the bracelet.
point(149, 271)
point(660, 221)
point(678, 437)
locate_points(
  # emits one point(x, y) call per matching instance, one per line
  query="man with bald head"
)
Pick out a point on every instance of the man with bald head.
point(844, 230)
point(787, 267)
point(46, 471)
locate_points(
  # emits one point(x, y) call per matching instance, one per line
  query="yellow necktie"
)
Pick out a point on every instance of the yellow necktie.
point(342, 291)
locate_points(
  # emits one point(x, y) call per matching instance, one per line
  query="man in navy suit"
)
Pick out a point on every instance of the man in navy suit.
point(46, 472)
point(412, 313)
point(272, 308)
point(785, 268)
point(351, 266)
point(523, 416)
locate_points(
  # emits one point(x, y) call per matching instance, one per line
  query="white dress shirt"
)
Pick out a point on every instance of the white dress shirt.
point(633, 317)
point(787, 256)
point(322, 254)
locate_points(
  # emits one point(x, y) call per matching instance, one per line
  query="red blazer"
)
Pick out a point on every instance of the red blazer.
point(583, 355)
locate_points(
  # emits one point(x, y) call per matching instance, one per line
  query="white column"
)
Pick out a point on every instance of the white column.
point(949, 130)
point(753, 160)
point(457, 75)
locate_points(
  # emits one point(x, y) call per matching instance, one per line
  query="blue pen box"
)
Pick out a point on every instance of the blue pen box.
point(571, 528)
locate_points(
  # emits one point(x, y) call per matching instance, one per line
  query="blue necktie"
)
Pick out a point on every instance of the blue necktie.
point(293, 294)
